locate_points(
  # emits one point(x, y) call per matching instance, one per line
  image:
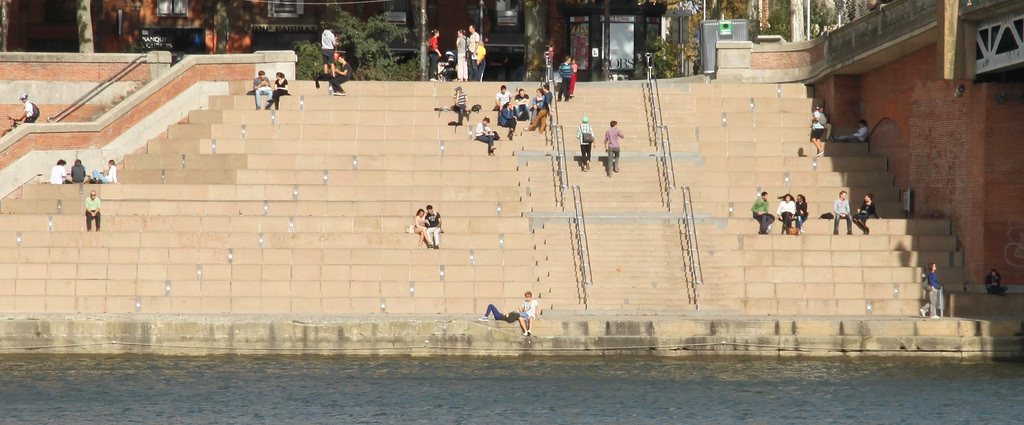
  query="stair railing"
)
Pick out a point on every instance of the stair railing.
point(583, 251)
point(692, 251)
point(659, 132)
point(95, 91)
point(557, 140)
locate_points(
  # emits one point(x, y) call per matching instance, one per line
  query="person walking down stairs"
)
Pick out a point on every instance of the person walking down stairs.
point(611, 145)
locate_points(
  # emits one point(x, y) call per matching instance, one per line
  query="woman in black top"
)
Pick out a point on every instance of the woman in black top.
point(866, 210)
point(282, 90)
point(801, 212)
point(993, 283)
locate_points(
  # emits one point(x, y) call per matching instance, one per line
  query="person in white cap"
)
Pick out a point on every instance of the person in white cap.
point(31, 113)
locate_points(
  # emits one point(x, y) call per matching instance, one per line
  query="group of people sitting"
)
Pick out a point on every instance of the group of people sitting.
point(510, 110)
point(59, 173)
point(791, 210)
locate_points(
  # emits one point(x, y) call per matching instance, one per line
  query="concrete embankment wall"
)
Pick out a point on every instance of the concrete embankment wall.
point(440, 335)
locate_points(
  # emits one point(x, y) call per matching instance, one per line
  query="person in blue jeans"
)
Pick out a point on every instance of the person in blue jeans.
point(493, 311)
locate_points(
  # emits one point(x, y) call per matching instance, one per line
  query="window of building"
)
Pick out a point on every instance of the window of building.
point(172, 8)
point(284, 8)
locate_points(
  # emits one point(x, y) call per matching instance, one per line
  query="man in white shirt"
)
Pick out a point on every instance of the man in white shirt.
point(59, 174)
point(503, 97)
point(528, 313)
point(328, 41)
point(860, 136)
point(31, 113)
point(485, 134)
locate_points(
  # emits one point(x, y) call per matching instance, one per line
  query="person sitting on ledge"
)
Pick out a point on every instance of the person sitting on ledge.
point(993, 283)
point(860, 136)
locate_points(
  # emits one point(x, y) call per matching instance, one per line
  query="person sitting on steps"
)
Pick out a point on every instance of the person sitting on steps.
point(866, 210)
point(860, 136)
point(507, 119)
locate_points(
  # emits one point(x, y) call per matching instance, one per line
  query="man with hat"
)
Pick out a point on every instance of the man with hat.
point(818, 121)
point(31, 113)
point(460, 105)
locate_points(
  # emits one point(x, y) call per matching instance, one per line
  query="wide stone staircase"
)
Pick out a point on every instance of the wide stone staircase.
point(303, 210)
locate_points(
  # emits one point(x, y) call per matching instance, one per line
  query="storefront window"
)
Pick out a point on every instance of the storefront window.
point(621, 42)
point(172, 8)
point(284, 8)
point(579, 40)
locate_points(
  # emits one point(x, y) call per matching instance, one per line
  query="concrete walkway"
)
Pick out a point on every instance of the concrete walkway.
point(430, 335)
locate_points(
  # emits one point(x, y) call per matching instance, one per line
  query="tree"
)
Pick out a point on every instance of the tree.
point(84, 27)
point(365, 45)
point(535, 18)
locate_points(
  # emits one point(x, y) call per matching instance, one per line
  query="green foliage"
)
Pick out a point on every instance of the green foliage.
point(778, 20)
point(666, 56)
point(309, 64)
point(823, 18)
point(365, 45)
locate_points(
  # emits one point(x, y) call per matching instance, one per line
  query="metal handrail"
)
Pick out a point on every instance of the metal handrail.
point(660, 134)
point(557, 140)
point(95, 91)
point(692, 250)
point(580, 226)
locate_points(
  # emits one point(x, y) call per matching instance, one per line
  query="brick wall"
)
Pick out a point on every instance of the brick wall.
point(962, 155)
point(85, 140)
point(761, 59)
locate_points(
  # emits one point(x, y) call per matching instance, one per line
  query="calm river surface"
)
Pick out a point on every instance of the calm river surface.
point(79, 389)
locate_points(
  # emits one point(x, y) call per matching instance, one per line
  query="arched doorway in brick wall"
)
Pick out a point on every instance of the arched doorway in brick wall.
point(888, 140)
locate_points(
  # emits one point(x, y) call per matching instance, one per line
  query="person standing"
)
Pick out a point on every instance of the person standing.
point(818, 121)
point(572, 84)
point(611, 146)
point(92, 211)
point(474, 40)
point(586, 136)
point(31, 113)
point(481, 61)
point(261, 87)
point(565, 71)
point(760, 213)
point(328, 41)
point(433, 53)
point(932, 288)
point(841, 209)
point(433, 227)
point(461, 46)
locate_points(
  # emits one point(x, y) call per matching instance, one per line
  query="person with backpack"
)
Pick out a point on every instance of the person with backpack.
point(818, 122)
point(31, 113)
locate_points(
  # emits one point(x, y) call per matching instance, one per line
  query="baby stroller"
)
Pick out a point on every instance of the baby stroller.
point(446, 67)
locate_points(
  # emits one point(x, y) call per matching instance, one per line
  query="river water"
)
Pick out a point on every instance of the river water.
point(122, 389)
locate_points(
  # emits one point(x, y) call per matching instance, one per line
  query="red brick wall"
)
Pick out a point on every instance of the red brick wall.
point(787, 59)
point(962, 156)
point(84, 140)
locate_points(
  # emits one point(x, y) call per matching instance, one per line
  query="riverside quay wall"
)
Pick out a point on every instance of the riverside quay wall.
point(466, 336)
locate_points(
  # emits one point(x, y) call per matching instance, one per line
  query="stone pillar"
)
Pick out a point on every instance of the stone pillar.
point(733, 59)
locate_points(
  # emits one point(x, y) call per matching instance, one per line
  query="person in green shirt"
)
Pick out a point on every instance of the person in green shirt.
point(760, 210)
point(92, 211)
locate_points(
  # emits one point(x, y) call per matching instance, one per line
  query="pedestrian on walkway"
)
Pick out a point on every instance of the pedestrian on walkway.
point(932, 289)
point(611, 146)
